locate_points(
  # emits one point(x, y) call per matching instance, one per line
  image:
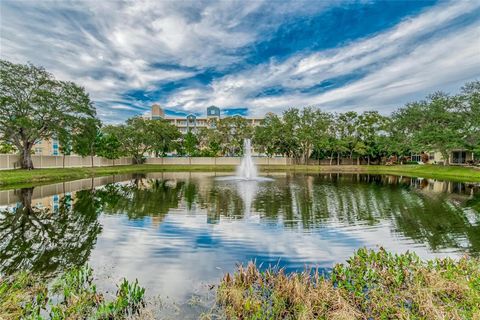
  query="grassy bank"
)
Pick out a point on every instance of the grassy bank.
point(31, 177)
point(371, 285)
point(456, 173)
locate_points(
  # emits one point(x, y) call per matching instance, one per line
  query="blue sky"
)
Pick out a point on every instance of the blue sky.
point(247, 57)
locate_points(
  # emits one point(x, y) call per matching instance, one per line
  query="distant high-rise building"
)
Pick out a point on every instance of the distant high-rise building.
point(194, 122)
point(157, 112)
point(213, 112)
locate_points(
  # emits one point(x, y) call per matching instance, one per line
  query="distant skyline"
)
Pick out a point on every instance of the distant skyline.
point(247, 57)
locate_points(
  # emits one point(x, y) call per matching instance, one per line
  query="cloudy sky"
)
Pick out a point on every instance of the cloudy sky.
point(247, 57)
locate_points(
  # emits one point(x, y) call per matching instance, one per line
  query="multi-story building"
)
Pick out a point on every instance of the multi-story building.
point(192, 121)
point(46, 147)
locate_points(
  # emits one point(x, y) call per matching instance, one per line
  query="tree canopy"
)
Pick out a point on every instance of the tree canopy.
point(34, 106)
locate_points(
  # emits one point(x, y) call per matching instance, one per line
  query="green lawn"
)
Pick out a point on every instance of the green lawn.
point(431, 171)
point(17, 178)
point(28, 177)
point(456, 173)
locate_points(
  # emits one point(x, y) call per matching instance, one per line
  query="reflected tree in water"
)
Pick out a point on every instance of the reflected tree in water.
point(438, 222)
point(430, 218)
point(45, 239)
point(141, 198)
point(190, 194)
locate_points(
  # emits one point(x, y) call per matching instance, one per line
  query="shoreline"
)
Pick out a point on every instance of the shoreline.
point(24, 178)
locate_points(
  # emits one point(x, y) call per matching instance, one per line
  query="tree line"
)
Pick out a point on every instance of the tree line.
point(440, 123)
point(35, 106)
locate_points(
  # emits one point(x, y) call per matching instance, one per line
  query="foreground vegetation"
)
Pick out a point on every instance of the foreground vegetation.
point(370, 285)
point(17, 178)
point(72, 296)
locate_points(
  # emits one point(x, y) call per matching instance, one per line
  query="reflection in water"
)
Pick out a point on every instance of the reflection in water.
point(142, 198)
point(48, 239)
point(177, 231)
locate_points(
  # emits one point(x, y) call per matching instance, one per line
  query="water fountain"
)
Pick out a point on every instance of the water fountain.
point(247, 169)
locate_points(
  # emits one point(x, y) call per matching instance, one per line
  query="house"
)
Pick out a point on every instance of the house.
point(456, 157)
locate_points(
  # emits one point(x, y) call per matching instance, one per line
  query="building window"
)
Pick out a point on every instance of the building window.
point(416, 158)
point(459, 157)
point(38, 150)
point(431, 156)
point(55, 148)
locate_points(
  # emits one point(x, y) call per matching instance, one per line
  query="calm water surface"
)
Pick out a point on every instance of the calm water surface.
point(179, 232)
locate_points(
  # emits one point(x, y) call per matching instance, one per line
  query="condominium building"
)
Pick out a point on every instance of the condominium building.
point(194, 122)
point(46, 147)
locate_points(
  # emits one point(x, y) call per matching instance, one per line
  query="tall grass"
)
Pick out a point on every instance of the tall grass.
point(370, 285)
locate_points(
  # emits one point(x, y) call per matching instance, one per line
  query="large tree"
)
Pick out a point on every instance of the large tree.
point(139, 136)
point(433, 124)
point(109, 146)
point(347, 127)
point(87, 138)
point(209, 142)
point(233, 130)
point(469, 110)
point(164, 136)
point(34, 106)
point(134, 136)
point(371, 127)
point(190, 144)
point(269, 135)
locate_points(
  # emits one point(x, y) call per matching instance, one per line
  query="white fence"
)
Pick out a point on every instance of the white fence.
point(11, 161)
point(8, 197)
point(211, 161)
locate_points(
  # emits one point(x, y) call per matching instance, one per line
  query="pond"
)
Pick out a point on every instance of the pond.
point(178, 233)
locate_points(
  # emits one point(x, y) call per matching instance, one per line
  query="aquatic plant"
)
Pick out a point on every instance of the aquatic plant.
point(370, 285)
point(72, 296)
point(21, 296)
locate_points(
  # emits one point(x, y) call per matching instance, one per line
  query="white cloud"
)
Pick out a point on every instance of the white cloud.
point(404, 63)
point(110, 47)
point(122, 107)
